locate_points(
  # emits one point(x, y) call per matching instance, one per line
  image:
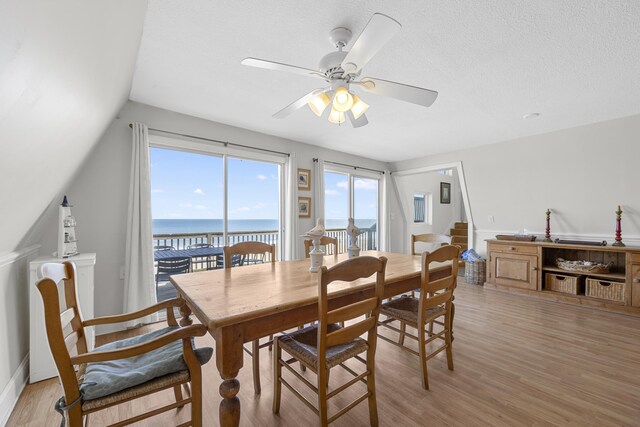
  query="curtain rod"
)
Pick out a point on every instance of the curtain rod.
point(225, 143)
point(315, 160)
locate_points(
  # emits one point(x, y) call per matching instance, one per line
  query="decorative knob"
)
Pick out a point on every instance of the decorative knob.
point(512, 248)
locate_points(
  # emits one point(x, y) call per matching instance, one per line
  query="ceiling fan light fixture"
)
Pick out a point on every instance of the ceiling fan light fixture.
point(342, 101)
point(336, 117)
point(359, 107)
point(319, 103)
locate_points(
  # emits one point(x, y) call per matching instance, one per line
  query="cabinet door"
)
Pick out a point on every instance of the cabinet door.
point(516, 270)
point(635, 285)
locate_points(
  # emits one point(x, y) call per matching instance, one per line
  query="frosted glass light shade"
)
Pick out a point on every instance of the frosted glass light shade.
point(319, 103)
point(336, 117)
point(359, 107)
point(342, 101)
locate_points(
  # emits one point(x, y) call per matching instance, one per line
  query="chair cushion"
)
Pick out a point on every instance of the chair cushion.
point(303, 345)
point(105, 378)
point(406, 309)
point(152, 386)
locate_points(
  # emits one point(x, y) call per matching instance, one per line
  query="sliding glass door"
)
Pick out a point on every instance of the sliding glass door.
point(203, 201)
point(351, 195)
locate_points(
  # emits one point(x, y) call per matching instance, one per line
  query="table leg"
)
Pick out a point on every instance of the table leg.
point(229, 359)
point(185, 313)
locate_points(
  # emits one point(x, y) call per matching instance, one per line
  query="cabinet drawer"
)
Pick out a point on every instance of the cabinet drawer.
point(635, 258)
point(516, 249)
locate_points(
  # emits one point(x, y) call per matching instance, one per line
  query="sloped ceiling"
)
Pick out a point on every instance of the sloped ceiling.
point(65, 71)
point(574, 61)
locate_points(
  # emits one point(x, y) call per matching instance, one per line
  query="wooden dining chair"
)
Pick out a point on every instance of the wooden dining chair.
point(123, 370)
point(324, 241)
point(246, 249)
point(435, 301)
point(239, 254)
point(428, 238)
point(326, 345)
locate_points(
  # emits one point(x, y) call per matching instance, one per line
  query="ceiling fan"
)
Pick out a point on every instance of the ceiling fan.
point(342, 71)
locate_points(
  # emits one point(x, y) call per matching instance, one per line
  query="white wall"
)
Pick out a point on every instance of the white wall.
point(64, 74)
point(442, 215)
point(14, 329)
point(581, 174)
point(99, 192)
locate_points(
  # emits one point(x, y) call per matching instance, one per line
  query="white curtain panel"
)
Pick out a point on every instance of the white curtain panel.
point(318, 190)
point(385, 213)
point(291, 208)
point(139, 284)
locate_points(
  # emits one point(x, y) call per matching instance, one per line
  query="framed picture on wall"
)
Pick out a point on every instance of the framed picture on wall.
point(445, 193)
point(304, 179)
point(304, 207)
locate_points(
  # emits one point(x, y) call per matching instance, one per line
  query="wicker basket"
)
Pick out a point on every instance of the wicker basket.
point(604, 289)
point(475, 272)
point(579, 266)
point(561, 283)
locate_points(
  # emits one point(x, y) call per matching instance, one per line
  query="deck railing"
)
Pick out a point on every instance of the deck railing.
point(366, 241)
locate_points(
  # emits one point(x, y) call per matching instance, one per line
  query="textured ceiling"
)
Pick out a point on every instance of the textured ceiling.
point(574, 61)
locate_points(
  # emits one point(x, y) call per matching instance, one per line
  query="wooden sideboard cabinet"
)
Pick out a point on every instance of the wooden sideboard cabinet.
point(525, 267)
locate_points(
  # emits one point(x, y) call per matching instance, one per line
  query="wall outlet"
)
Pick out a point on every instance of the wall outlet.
point(491, 219)
point(122, 273)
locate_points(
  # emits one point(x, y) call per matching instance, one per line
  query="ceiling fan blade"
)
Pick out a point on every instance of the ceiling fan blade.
point(413, 94)
point(375, 35)
point(277, 66)
point(297, 104)
point(359, 122)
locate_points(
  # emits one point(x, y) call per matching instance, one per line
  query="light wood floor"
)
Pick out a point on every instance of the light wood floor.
point(519, 361)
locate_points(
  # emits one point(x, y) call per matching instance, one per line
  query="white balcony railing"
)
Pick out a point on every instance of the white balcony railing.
point(366, 241)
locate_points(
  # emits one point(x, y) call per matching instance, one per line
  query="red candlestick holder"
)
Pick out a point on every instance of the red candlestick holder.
point(547, 232)
point(618, 241)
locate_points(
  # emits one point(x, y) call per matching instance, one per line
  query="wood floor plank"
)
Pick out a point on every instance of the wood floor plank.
point(519, 361)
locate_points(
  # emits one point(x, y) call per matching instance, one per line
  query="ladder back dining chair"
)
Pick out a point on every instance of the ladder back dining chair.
point(435, 301)
point(324, 241)
point(235, 256)
point(428, 238)
point(326, 345)
point(123, 370)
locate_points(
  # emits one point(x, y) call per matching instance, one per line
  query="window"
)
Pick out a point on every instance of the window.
point(209, 200)
point(419, 208)
point(351, 195)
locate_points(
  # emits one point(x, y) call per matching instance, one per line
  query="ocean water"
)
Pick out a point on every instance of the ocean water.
point(177, 226)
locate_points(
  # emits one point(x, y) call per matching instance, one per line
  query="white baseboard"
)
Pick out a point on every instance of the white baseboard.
point(12, 391)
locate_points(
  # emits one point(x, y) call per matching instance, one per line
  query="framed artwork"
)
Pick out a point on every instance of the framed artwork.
point(304, 179)
point(445, 193)
point(304, 207)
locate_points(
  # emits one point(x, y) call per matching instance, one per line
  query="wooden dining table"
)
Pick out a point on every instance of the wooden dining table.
point(239, 305)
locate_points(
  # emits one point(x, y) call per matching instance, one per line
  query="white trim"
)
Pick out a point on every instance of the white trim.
point(463, 189)
point(11, 257)
point(11, 393)
point(627, 240)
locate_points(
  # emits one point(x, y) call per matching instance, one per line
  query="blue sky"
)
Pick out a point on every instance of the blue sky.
point(189, 186)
